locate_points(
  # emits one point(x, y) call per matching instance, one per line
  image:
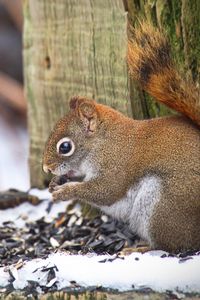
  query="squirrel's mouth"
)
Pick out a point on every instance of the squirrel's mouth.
point(62, 179)
point(72, 176)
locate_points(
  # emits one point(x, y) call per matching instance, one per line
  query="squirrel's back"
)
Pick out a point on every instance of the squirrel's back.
point(150, 63)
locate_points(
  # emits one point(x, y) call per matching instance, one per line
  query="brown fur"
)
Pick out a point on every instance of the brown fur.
point(123, 151)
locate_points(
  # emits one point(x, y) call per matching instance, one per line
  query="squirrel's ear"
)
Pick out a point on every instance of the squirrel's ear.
point(88, 115)
point(73, 103)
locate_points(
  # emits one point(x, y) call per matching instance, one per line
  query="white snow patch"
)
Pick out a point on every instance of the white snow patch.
point(149, 270)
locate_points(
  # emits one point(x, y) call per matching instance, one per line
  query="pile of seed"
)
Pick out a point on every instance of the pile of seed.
point(70, 231)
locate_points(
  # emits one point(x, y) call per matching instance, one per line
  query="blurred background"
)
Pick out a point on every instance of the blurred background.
point(13, 123)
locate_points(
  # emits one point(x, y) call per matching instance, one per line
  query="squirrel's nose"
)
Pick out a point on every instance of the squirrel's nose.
point(46, 169)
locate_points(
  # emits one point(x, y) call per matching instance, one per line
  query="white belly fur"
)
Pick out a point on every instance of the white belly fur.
point(137, 206)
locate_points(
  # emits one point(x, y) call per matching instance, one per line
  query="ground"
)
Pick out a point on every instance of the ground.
point(48, 247)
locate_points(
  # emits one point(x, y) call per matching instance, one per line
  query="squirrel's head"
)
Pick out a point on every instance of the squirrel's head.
point(72, 139)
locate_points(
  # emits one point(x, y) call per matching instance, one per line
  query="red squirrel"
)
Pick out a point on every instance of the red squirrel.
point(145, 173)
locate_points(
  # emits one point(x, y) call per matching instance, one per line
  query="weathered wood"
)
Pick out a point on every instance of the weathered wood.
point(148, 295)
point(181, 21)
point(71, 47)
point(13, 198)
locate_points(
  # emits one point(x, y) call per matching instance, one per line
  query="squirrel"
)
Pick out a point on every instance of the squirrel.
point(143, 172)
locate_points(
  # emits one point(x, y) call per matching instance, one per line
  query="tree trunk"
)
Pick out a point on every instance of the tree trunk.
point(71, 48)
point(180, 19)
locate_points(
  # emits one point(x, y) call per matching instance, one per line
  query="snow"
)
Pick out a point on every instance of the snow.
point(149, 270)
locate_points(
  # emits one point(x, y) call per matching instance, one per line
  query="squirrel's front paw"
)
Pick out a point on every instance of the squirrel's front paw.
point(58, 195)
point(65, 191)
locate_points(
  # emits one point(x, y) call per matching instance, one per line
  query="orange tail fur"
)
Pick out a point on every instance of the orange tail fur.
point(150, 63)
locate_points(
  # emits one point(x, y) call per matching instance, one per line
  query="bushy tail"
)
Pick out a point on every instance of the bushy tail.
point(150, 63)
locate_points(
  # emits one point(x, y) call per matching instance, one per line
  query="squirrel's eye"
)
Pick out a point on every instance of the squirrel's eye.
point(65, 147)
